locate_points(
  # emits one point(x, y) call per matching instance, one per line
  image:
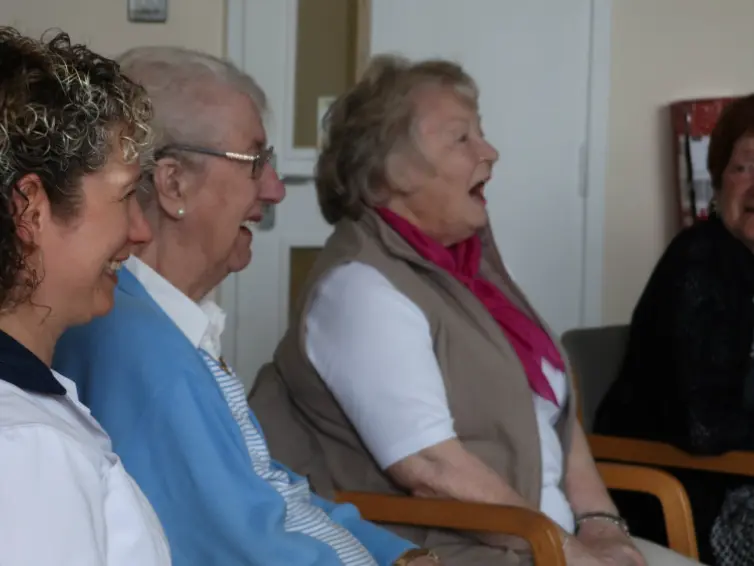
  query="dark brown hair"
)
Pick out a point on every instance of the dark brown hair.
point(736, 121)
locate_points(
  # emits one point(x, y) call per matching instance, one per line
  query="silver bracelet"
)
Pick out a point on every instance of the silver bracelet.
point(616, 520)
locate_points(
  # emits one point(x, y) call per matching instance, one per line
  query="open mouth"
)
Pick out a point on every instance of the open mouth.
point(250, 223)
point(114, 266)
point(477, 190)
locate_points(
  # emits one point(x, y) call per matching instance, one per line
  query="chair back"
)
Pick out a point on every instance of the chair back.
point(596, 355)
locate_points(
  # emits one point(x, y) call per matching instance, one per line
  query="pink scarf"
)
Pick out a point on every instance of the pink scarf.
point(462, 261)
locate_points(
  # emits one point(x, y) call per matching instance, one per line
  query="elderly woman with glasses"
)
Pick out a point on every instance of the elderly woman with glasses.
point(152, 370)
point(73, 130)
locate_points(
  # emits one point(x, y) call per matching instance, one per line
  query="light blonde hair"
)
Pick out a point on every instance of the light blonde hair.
point(371, 123)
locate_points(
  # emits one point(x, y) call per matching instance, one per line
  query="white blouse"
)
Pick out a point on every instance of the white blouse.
point(373, 348)
point(65, 498)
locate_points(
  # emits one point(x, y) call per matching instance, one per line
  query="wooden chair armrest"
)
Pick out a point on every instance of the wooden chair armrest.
point(542, 534)
point(652, 453)
point(676, 508)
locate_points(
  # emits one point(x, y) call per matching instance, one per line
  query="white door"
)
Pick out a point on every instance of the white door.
point(532, 62)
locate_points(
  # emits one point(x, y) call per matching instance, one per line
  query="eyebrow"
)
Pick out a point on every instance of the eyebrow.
point(473, 120)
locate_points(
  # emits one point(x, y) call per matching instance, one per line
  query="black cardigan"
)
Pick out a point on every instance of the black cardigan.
point(688, 374)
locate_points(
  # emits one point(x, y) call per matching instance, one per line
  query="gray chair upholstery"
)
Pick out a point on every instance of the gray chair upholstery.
point(596, 355)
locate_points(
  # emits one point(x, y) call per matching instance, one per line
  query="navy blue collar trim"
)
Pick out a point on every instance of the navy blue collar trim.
point(19, 367)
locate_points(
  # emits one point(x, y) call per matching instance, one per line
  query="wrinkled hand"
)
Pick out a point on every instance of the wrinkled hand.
point(608, 545)
point(618, 554)
point(577, 554)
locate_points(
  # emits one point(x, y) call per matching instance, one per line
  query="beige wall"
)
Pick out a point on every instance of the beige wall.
point(104, 25)
point(662, 50)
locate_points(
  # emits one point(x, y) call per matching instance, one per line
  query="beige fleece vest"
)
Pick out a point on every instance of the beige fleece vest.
point(487, 389)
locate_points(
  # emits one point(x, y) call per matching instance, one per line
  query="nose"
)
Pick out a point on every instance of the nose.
point(488, 152)
point(272, 188)
point(139, 231)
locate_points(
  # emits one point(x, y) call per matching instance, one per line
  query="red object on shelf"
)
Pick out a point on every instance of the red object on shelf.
point(692, 123)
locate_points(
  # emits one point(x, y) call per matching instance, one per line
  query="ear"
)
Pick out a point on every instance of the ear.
point(31, 208)
point(399, 174)
point(171, 185)
point(405, 173)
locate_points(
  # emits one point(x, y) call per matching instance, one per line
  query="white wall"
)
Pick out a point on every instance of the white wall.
point(104, 25)
point(662, 50)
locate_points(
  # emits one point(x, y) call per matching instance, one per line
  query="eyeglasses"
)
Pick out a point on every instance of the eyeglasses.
point(257, 160)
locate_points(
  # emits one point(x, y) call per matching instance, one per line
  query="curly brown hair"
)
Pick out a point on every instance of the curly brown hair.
point(373, 121)
point(62, 107)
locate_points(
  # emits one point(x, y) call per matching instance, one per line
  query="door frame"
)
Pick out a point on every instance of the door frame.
point(598, 118)
point(595, 166)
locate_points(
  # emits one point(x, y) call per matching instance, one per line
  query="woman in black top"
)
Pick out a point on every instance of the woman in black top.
point(688, 374)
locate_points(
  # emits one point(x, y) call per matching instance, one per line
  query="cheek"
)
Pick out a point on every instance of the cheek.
point(103, 237)
point(727, 196)
point(236, 200)
point(79, 262)
point(458, 170)
point(732, 208)
point(218, 231)
point(114, 230)
point(731, 199)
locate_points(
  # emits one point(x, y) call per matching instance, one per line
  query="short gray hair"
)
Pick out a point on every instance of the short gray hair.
point(171, 76)
point(370, 123)
point(174, 78)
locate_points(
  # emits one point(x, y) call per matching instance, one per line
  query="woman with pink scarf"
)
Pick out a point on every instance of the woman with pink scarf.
point(413, 360)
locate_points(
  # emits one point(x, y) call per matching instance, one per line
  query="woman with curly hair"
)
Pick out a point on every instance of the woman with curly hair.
point(73, 135)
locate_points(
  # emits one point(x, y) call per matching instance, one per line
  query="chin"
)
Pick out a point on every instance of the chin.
point(239, 262)
point(103, 303)
point(481, 220)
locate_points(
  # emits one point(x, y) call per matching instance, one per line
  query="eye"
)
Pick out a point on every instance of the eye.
point(742, 168)
point(129, 195)
point(463, 138)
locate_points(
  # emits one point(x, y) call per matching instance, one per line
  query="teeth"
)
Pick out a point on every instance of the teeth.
point(249, 224)
point(114, 266)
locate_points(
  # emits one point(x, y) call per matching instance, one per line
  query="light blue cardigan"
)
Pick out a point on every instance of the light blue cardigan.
point(152, 392)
